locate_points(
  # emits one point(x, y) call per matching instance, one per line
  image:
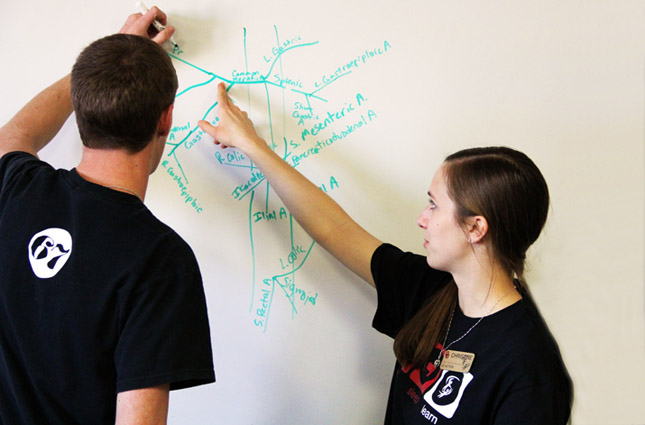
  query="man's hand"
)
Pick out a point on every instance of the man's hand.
point(141, 24)
point(38, 122)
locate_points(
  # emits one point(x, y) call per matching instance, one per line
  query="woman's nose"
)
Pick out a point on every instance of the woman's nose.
point(423, 218)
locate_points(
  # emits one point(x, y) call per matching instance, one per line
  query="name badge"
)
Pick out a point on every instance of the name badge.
point(457, 361)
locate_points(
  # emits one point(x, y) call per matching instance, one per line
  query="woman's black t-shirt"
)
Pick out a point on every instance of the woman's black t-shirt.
point(517, 376)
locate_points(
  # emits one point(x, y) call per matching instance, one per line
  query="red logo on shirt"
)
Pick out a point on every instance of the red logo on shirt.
point(426, 378)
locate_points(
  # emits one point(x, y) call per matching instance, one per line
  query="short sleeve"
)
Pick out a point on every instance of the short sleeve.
point(404, 281)
point(165, 335)
point(11, 164)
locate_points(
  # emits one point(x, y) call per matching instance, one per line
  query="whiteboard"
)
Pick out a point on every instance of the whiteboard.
point(366, 99)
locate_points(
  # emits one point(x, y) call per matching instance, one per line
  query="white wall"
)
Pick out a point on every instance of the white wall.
point(561, 80)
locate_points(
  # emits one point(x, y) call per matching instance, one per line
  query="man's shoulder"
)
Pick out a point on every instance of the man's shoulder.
point(13, 161)
point(18, 170)
point(162, 242)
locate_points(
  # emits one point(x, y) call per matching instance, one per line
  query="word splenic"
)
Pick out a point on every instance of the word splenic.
point(183, 188)
point(286, 81)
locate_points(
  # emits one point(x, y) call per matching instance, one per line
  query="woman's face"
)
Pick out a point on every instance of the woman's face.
point(445, 240)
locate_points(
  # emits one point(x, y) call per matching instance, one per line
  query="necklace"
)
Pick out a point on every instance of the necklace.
point(445, 347)
point(125, 189)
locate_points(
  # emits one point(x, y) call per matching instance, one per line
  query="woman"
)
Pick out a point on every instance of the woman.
point(471, 346)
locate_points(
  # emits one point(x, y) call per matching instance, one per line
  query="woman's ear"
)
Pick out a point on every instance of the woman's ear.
point(476, 228)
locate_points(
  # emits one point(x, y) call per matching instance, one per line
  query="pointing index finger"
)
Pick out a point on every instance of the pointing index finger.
point(222, 95)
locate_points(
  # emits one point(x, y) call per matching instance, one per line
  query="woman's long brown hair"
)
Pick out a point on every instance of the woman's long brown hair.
point(504, 186)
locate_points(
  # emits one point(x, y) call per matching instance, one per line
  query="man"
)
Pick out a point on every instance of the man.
point(102, 308)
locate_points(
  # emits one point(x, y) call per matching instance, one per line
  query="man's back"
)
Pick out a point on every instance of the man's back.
point(96, 297)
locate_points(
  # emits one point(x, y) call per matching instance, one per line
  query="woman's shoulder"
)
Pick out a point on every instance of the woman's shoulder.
point(523, 328)
point(530, 347)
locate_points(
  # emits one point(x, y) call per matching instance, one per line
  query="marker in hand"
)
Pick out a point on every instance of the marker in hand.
point(155, 23)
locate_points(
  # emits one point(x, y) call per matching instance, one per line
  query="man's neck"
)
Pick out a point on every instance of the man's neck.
point(116, 169)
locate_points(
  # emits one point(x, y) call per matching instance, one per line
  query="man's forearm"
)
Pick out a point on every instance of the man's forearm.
point(38, 121)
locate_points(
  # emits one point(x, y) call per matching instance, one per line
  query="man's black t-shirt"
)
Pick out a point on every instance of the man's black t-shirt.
point(517, 377)
point(97, 297)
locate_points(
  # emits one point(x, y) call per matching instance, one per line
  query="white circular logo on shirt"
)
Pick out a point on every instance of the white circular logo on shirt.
point(49, 251)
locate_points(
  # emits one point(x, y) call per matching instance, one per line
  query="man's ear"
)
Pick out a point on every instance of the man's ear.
point(165, 122)
point(476, 228)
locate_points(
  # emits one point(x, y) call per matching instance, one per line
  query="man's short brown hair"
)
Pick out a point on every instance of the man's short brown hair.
point(120, 86)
